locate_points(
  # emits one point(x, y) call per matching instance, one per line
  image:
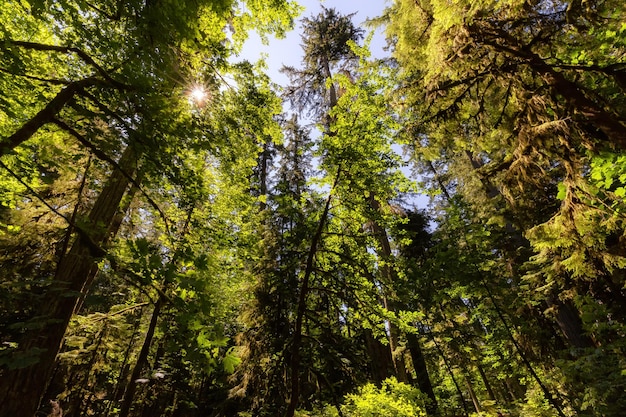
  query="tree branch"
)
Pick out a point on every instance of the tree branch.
point(32, 77)
point(45, 115)
point(81, 54)
point(103, 156)
point(95, 249)
point(609, 123)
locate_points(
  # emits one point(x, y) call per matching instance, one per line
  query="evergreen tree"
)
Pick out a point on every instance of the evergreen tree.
point(513, 105)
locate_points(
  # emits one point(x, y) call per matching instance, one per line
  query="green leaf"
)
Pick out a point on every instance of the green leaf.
point(562, 191)
point(231, 360)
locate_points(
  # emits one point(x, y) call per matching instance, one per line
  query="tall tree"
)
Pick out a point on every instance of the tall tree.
point(514, 105)
point(361, 171)
point(112, 79)
point(326, 46)
point(332, 275)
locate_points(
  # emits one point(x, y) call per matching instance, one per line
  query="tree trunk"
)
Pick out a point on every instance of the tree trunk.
point(114, 227)
point(514, 389)
point(302, 299)
point(380, 358)
point(389, 276)
point(483, 376)
point(571, 325)
point(131, 388)
point(262, 166)
point(21, 390)
point(84, 390)
point(117, 391)
point(397, 355)
point(553, 401)
point(472, 393)
point(451, 373)
point(422, 376)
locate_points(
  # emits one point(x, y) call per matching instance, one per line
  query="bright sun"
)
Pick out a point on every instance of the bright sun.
point(198, 94)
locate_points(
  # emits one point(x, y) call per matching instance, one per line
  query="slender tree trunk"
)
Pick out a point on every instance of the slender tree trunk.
point(472, 393)
point(116, 395)
point(332, 90)
point(422, 376)
point(514, 389)
point(522, 354)
point(131, 387)
point(451, 373)
point(84, 389)
point(483, 376)
point(264, 159)
point(397, 356)
point(302, 299)
point(21, 390)
point(142, 359)
point(322, 377)
point(442, 186)
point(390, 277)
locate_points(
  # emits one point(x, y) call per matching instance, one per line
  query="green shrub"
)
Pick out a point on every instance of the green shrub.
point(392, 399)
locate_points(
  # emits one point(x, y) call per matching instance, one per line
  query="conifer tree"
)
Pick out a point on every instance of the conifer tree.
point(514, 105)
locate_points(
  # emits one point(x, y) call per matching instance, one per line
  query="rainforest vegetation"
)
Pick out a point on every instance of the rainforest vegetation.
point(181, 236)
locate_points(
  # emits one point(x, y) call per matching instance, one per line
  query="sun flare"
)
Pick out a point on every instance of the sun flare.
point(197, 95)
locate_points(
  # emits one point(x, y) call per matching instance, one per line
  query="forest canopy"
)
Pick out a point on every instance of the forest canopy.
point(181, 236)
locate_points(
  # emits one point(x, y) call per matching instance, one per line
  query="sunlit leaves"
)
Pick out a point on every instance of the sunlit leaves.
point(392, 399)
point(255, 15)
point(187, 213)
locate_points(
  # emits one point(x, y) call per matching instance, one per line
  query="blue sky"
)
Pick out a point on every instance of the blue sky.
point(288, 52)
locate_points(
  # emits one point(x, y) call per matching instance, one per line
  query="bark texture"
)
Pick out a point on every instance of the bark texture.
point(21, 390)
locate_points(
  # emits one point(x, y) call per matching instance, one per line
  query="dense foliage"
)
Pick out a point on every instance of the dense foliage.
point(179, 236)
